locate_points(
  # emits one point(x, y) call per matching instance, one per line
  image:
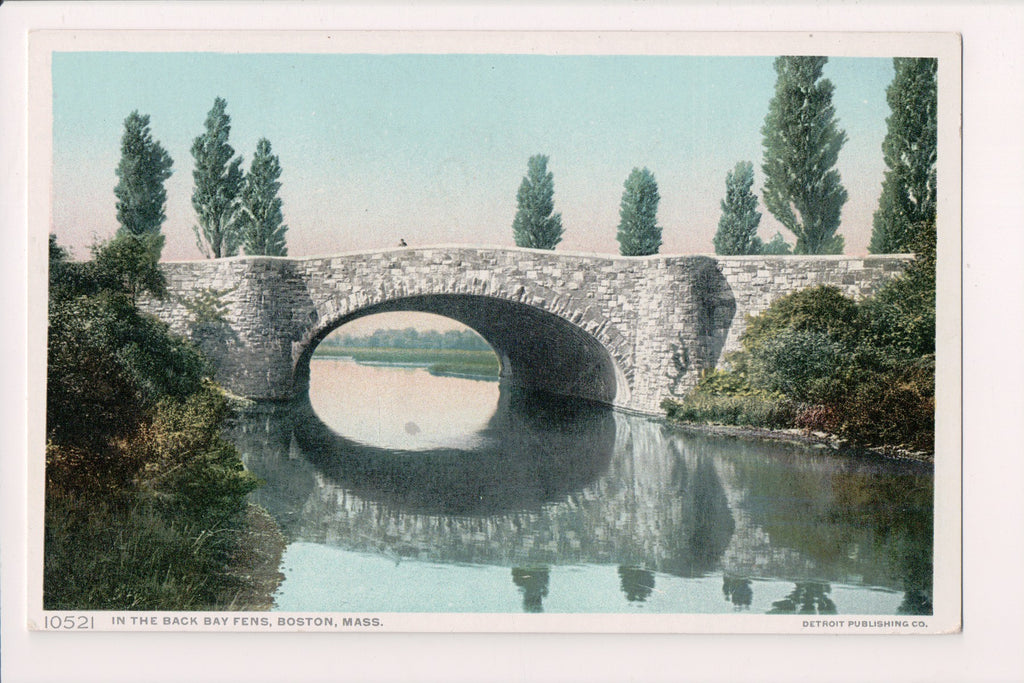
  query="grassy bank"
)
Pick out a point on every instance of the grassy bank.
point(146, 502)
point(437, 361)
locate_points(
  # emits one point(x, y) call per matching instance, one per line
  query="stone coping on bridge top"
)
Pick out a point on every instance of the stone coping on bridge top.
point(551, 252)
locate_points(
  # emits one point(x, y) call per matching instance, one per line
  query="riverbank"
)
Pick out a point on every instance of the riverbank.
point(255, 563)
point(817, 440)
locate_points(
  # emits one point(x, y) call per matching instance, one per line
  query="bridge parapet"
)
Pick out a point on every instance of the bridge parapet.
point(624, 331)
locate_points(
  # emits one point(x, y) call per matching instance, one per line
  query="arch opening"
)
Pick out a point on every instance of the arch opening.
point(408, 381)
point(537, 350)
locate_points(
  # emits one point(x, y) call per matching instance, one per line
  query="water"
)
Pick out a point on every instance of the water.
point(404, 492)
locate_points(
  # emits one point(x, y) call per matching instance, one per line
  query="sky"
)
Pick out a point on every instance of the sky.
point(432, 148)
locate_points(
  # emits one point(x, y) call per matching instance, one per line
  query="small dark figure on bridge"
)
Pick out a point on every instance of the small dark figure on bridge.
point(401, 243)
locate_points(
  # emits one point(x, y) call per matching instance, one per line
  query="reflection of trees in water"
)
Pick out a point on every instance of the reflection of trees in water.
point(856, 519)
point(533, 583)
point(712, 524)
point(897, 510)
point(563, 483)
point(263, 434)
point(808, 597)
point(737, 591)
point(637, 584)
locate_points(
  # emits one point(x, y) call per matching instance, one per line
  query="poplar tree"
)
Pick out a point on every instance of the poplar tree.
point(218, 180)
point(639, 233)
point(802, 140)
point(737, 228)
point(260, 220)
point(535, 226)
point(141, 172)
point(910, 152)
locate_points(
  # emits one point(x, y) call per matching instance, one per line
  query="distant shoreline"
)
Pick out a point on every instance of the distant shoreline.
point(462, 363)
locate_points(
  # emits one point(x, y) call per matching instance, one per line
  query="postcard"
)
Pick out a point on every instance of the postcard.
point(552, 332)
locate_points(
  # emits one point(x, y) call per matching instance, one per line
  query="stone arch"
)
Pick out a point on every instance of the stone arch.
point(544, 339)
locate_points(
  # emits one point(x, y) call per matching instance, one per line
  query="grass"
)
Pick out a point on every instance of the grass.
point(437, 361)
point(101, 556)
point(741, 410)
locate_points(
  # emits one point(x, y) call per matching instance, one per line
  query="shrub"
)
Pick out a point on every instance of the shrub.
point(145, 501)
point(893, 409)
point(818, 418)
point(900, 318)
point(822, 309)
point(793, 361)
point(158, 523)
point(751, 411)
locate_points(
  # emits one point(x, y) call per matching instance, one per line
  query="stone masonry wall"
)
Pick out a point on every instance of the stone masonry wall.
point(756, 281)
point(654, 323)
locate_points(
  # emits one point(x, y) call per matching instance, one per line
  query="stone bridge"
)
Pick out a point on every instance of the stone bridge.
point(626, 331)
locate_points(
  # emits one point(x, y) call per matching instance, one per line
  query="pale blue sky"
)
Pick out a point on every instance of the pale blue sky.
point(432, 148)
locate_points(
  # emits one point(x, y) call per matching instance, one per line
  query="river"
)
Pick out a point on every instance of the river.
point(399, 491)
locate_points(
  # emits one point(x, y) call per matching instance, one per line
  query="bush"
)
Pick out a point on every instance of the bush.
point(793, 362)
point(818, 418)
point(748, 411)
point(158, 524)
point(190, 470)
point(822, 309)
point(145, 501)
point(819, 361)
point(893, 409)
point(900, 318)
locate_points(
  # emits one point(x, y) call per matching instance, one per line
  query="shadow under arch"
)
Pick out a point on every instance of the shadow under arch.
point(526, 459)
point(537, 349)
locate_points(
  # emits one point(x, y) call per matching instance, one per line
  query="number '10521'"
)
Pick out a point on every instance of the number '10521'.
point(68, 623)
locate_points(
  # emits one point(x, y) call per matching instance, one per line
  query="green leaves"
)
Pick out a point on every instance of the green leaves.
point(802, 140)
point(910, 151)
point(145, 500)
point(535, 226)
point(737, 228)
point(639, 233)
point(218, 181)
point(260, 220)
point(141, 172)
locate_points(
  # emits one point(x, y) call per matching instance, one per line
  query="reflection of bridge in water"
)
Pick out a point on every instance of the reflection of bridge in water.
point(609, 490)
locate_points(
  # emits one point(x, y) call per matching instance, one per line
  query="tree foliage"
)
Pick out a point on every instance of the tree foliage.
point(737, 228)
point(218, 181)
point(864, 371)
point(901, 316)
point(141, 172)
point(145, 501)
point(776, 246)
point(802, 140)
point(535, 226)
point(639, 233)
point(107, 362)
point(260, 220)
point(910, 151)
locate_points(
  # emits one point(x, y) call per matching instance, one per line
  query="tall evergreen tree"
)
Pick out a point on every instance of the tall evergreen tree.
point(141, 172)
point(639, 233)
point(802, 140)
point(535, 226)
point(737, 228)
point(910, 151)
point(218, 180)
point(260, 220)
